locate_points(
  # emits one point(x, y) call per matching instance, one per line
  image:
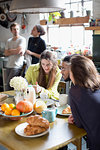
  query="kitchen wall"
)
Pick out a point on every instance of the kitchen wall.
point(5, 33)
point(96, 9)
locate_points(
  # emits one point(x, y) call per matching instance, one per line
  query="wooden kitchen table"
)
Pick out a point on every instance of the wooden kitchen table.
point(60, 134)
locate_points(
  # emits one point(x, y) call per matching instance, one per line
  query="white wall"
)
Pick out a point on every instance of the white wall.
point(32, 19)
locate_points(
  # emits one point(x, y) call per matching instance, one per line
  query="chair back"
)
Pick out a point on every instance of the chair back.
point(62, 87)
point(22, 73)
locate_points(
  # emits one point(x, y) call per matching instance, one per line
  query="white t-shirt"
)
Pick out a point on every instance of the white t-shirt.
point(15, 61)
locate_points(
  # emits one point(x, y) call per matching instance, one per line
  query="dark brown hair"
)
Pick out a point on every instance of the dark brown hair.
point(40, 29)
point(14, 25)
point(48, 55)
point(84, 72)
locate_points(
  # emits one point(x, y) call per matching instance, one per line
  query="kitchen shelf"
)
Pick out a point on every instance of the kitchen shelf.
point(68, 21)
point(93, 28)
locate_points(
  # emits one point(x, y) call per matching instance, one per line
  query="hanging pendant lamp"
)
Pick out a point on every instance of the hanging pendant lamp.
point(36, 6)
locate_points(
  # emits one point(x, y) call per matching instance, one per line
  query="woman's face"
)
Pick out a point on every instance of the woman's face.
point(34, 32)
point(46, 65)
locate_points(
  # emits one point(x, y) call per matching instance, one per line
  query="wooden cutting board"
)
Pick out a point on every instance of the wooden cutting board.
point(3, 97)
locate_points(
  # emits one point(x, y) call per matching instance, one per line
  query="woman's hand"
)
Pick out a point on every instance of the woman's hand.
point(37, 88)
point(71, 119)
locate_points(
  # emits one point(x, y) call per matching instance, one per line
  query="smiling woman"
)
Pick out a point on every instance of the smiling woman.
point(46, 74)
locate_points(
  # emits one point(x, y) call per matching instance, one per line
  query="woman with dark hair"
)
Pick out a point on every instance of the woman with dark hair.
point(36, 45)
point(65, 67)
point(85, 98)
point(46, 73)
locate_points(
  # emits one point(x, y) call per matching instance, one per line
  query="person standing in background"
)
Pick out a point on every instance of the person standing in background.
point(14, 50)
point(36, 45)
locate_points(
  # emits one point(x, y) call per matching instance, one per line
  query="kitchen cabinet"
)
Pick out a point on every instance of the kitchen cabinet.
point(96, 51)
point(96, 45)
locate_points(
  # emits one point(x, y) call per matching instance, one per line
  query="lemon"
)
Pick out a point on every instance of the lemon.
point(12, 106)
point(39, 106)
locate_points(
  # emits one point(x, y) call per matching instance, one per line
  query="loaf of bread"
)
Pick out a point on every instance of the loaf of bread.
point(32, 130)
point(37, 125)
point(67, 110)
point(38, 121)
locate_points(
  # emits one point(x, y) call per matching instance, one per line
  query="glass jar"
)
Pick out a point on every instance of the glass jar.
point(19, 96)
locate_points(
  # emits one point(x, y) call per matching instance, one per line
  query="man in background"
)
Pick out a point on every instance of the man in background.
point(14, 50)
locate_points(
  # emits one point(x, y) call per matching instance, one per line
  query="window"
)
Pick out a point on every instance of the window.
point(64, 37)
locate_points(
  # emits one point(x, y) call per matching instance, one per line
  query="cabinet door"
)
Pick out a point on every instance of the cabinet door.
point(96, 48)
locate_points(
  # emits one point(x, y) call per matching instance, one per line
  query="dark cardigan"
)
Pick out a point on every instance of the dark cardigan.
point(85, 106)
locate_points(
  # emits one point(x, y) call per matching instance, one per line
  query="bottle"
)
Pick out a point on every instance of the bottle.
point(30, 95)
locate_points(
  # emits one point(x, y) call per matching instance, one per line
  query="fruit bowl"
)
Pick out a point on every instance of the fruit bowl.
point(15, 117)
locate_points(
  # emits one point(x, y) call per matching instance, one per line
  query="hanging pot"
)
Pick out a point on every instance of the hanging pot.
point(6, 17)
point(11, 17)
point(3, 18)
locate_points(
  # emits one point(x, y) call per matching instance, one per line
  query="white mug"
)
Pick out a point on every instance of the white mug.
point(63, 99)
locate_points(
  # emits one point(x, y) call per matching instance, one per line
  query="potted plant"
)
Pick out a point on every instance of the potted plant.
point(54, 16)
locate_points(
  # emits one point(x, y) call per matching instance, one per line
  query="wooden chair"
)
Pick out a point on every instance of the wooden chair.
point(62, 87)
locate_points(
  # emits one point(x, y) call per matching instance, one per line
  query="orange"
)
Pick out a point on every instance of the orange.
point(15, 112)
point(39, 106)
point(12, 106)
point(8, 111)
point(4, 106)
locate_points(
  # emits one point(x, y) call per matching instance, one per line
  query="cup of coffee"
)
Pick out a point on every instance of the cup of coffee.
point(63, 99)
point(50, 114)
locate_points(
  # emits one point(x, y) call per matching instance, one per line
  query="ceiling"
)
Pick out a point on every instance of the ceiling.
point(96, 8)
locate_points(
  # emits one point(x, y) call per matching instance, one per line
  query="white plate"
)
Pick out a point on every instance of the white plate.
point(48, 102)
point(60, 109)
point(20, 131)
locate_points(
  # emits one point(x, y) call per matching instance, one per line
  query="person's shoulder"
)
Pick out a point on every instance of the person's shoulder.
point(78, 89)
point(41, 40)
point(31, 38)
point(34, 67)
point(21, 37)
